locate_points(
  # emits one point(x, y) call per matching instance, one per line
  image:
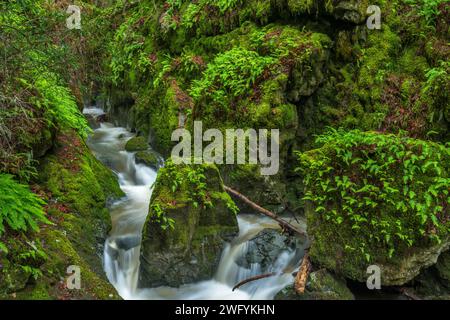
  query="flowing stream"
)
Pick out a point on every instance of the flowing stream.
point(122, 248)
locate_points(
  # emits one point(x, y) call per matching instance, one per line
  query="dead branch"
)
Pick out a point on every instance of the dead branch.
point(284, 224)
point(302, 275)
point(263, 276)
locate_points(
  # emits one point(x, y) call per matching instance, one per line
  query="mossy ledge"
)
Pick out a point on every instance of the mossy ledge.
point(77, 188)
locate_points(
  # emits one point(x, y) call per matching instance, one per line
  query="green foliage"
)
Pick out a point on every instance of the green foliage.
point(437, 89)
point(159, 216)
point(124, 56)
point(34, 97)
point(59, 102)
point(231, 74)
point(20, 209)
point(191, 178)
point(429, 9)
point(186, 185)
point(27, 260)
point(301, 6)
point(389, 192)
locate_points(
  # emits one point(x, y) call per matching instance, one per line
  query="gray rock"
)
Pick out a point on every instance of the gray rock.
point(266, 247)
point(321, 285)
point(443, 268)
point(410, 265)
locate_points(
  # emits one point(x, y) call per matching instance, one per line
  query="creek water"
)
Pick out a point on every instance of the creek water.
point(122, 248)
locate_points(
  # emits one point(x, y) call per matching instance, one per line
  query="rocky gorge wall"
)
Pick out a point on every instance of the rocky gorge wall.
point(300, 66)
point(374, 189)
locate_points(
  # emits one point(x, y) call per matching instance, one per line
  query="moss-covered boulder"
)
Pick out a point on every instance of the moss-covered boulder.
point(375, 199)
point(149, 158)
point(321, 285)
point(191, 218)
point(136, 144)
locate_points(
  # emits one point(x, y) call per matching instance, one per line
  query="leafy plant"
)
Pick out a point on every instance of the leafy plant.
point(429, 9)
point(59, 102)
point(189, 184)
point(20, 209)
point(387, 191)
point(231, 74)
point(159, 216)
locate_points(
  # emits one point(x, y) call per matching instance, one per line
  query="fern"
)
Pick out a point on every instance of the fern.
point(20, 209)
point(230, 74)
point(60, 102)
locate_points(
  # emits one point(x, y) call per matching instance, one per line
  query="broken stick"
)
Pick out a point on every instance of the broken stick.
point(263, 276)
point(283, 223)
point(302, 275)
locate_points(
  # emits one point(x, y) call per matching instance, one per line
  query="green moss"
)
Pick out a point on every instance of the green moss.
point(136, 144)
point(374, 199)
point(301, 6)
point(148, 158)
point(63, 253)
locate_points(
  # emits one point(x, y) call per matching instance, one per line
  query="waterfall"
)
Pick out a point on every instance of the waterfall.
point(122, 248)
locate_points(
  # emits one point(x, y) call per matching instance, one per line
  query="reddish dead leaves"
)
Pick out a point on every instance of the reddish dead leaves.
point(69, 151)
point(405, 113)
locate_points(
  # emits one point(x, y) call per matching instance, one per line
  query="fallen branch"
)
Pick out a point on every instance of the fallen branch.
point(262, 276)
point(283, 223)
point(302, 275)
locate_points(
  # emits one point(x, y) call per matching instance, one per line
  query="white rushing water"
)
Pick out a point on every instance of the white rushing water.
point(122, 248)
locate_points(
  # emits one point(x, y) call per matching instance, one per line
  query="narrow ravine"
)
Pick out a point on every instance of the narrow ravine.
point(122, 248)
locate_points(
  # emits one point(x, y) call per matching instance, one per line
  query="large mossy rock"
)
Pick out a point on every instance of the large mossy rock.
point(149, 158)
point(377, 199)
point(136, 144)
point(321, 285)
point(191, 218)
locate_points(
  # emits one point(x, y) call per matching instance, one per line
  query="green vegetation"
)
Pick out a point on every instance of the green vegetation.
point(43, 222)
point(429, 9)
point(388, 191)
point(231, 74)
point(192, 188)
point(20, 209)
point(376, 190)
point(136, 144)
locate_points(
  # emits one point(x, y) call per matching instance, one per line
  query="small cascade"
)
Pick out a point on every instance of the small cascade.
point(122, 248)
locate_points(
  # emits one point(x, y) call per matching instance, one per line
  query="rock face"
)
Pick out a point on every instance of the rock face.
point(430, 285)
point(351, 11)
point(190, 251)
point(410, 265)
point(443, 267)
point(266, 247)
point(321, 285)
